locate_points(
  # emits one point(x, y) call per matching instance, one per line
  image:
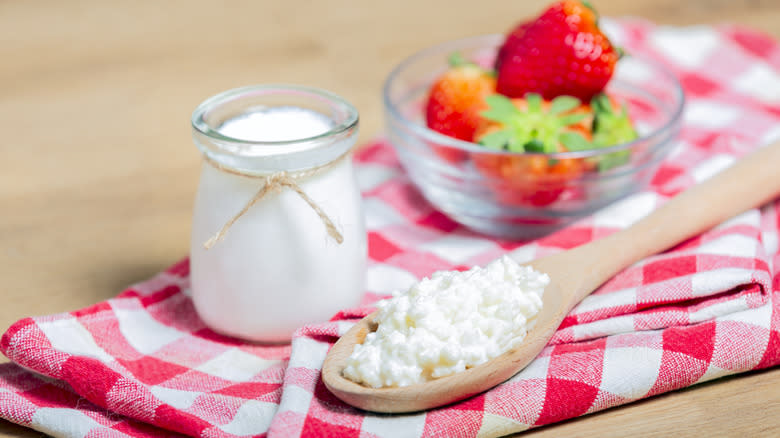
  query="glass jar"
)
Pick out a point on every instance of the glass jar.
point(278, 208)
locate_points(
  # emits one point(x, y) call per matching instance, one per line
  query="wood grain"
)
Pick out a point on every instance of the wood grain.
point(98, 173)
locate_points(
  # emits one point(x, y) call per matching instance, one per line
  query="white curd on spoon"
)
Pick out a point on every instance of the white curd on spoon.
point(448, 323)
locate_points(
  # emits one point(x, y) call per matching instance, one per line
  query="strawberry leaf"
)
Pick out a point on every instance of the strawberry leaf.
point(601, 104)
point(562, 104)
point(515, 144)
point(456, 59)
point(574, 141)
point(534, 102)
point(497, 140)
point(571, 119)
point(500, 108)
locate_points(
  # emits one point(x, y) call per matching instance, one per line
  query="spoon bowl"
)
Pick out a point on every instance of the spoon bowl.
point(574, 274)
point(439, 391)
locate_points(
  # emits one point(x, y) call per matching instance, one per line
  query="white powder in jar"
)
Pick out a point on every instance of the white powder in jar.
point(448, 323)
point(281, 123)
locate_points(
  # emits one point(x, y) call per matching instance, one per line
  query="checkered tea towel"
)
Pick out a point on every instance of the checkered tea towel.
point(143, 364)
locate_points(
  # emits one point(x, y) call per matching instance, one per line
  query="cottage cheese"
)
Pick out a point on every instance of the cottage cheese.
point(448, 323)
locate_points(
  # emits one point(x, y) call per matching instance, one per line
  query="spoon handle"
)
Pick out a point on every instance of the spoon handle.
point(750, 182)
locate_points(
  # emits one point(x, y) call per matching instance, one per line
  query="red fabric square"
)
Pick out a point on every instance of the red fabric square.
point(696, 341)
point(137, 429)
point(565, 399)
point(697, 84)
point(90, 378)
point(580, 362)
point(250, 390)
point(151, 370)
point(521, 400)
point(452, 423)
point(754, 42)
point(379, 248)
point(661, 270)
point(181, 269)
point(666, 174)
point(329, 416)
point(678, 370)
point(50, 396)
point(574, 236)
point(772, 353)
point(438, 221)
point(168, 417)
point(314, 427)
point(91, 310)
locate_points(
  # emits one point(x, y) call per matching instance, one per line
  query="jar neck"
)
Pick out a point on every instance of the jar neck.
point(248, 157)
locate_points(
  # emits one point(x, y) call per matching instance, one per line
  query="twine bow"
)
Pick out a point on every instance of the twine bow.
point(276, 182)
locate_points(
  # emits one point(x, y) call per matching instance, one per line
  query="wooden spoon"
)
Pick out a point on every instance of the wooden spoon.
point(574, 274)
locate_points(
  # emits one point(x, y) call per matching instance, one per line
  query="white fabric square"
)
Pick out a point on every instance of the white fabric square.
point(525, 253)
point(619, 324)
point(344, 326)
point(761, 82)
point(630, 372)
point(736, 245)
point(710, 282)
point(143, 332)
point(537, 369)
point(627, 211)
point(715, 310)
point(295, 399)
point(370, 176)
point(457, 248)
point(688, 47)
point(750, 218)
point(601, 301)
point(160, 281)
point(711, 166)
point(632, 69)
point(379, 214)
point(307, 353)
point(236, 365)
point(771, 135)
point(63, 422)
point(613, 30)
point(770, 239)
point(69, 336)
point(252, 418)
point(496, 425)
point(760, 316)
point(708, 114)
point(394, 426)
point(714, 372)
point(177, 398)
point(385, 279)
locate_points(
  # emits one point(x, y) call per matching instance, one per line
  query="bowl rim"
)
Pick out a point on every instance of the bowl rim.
point(673, 118)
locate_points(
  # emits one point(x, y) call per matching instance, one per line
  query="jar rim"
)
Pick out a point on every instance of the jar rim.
point(293, 152)
point(201, 125)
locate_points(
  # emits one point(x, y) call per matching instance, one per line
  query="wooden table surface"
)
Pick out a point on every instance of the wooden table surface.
point(98, 172)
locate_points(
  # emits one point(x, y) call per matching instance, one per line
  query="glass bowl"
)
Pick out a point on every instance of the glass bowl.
point(461, 178)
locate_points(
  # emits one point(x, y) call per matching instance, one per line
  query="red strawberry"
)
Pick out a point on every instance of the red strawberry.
point(510, 40)
point(455, 101)
point(563, 52)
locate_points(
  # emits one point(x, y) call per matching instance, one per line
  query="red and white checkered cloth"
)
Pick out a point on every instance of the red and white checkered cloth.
point(143, 364)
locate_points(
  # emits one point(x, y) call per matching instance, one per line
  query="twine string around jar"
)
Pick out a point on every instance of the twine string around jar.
point(276, 182)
